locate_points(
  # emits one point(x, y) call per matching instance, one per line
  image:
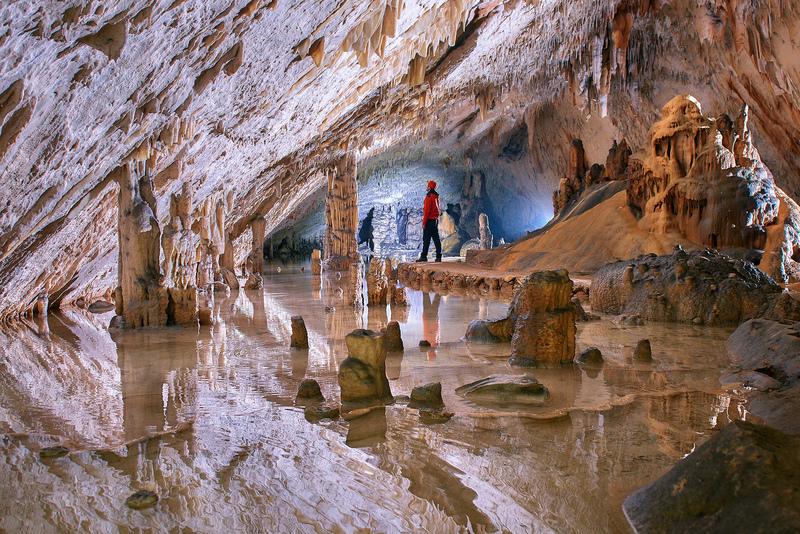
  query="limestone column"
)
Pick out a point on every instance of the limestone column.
point(341, 215)
point(258, 226)
point(485, 232)
point(141, 300)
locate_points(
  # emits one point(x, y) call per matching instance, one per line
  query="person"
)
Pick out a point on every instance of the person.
point(430, 223)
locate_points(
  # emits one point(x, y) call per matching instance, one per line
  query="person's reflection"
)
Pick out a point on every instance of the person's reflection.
point(430, 321)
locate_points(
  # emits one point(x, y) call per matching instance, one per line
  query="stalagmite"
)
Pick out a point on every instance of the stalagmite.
point(341, 215)
point(485, 233)
point(362, 375)
point(258, 226)
point(141, 301)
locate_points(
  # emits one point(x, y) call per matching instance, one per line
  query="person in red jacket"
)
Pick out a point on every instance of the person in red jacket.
point(430, 223)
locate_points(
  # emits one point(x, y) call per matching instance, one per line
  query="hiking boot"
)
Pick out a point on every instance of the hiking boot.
point(438, 259)
point(421, 260)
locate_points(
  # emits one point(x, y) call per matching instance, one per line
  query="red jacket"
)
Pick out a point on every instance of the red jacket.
point(431, 207)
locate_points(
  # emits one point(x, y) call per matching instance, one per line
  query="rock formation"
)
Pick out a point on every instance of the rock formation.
point(141, 301)
point(309, 392)
point(341, 215)
point(428, 396)
point(744, 479)
point(764, 357)
point(540, 323)
point(485, 233)
point(394, 340)
point(362, 375)
point(299, 333)
point(505, 389)
point(700, 287)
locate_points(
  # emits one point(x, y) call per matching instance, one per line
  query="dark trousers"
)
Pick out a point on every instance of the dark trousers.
point(431, 230)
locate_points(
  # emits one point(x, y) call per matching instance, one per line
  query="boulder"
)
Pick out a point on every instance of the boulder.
point(394, 342)
point(590, 355)
point(765, 357)
point(701, 286)
point(642, 351)
point(428, 396)
point(744, 479)
point(299, 333)
point(309, 392)
point(540, 323)
point(362, 375)
point(505, 389)
point(315, 413)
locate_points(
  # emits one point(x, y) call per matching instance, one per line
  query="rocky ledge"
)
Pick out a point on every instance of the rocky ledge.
point(700, 287)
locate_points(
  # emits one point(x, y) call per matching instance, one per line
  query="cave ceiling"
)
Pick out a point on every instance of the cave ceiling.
point(251, 100)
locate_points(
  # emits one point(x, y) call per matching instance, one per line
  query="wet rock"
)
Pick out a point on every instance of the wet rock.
point(117, 322)
point(590, 355)
point(315, 413)
point(424, 343)
point(628, 320)
point(142, 499)
point(394, 341)
point(99, 306)
point(427, 396)
point(362, 375)
point(494, 330)
point(299, 333)
point(744, 479)
point(580, 313)
point(56, 451)
point(355, 287)
point(309, 392)
point(254, 282)
point(506, 389)
point(764, 357)
point(433, 417)
point(705, 292)
point(642, 351)
point(544, 321)
point(205, 316)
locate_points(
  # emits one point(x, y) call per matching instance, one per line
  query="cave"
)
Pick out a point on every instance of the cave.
point(186, 182)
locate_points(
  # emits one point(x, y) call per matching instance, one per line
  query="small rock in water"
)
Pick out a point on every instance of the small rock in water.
point(309, 392)
point(56, 451)
point(428, 396)
point(330, 309)
point(315, 413)
point(142, 499)
point(424, 343)
point(302, 269)
point(642, 352)
point(432, 417)
point(590, 355)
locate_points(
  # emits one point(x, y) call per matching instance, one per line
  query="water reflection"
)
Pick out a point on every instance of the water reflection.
point(251, 462)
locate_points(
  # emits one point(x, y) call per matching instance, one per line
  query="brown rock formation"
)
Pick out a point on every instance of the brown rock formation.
point(141, 300)
point(362, 375)
point(341, 215)
point(540, 323)
point(299, 333)
point(394, 341)
point(485, 233)
point(701, 287)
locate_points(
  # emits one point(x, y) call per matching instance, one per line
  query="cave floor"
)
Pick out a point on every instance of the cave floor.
point(251, 462)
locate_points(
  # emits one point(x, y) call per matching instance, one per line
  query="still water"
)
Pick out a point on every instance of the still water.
point(206, 418)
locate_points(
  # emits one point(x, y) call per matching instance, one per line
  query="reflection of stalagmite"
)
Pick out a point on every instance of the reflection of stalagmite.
point(377, 283)
point(355, 294)
point(140, 299)
point(316, 262)
point(341, 215)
